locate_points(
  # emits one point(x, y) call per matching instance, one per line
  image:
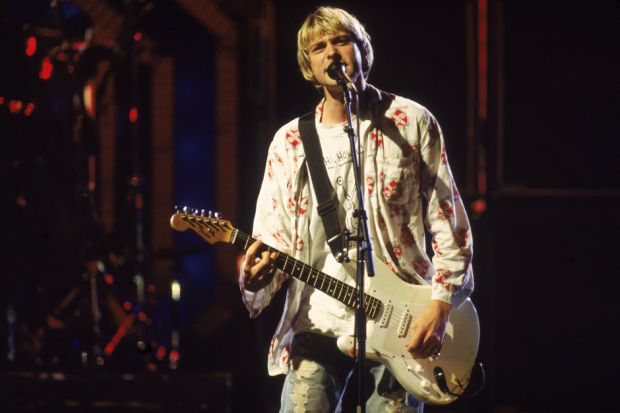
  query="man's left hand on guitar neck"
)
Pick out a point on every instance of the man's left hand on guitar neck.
point(428, 330)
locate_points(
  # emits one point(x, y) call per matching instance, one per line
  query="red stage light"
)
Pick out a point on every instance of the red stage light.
point(109, 279)
point(46, 69)
point(32, 46)
point(133, 114)
point(127, 305)
point(29, 109)
point(15, 106)
point(479, 206)
point(137, 36)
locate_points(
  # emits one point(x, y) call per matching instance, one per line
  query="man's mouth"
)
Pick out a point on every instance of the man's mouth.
point(344, 64)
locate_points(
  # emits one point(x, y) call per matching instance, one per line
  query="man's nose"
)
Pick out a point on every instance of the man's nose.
point(331, 50)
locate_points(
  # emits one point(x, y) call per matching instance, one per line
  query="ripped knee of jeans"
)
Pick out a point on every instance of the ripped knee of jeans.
point(304, 381)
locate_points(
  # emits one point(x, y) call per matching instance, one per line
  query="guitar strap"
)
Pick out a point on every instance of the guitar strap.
point(320, 181)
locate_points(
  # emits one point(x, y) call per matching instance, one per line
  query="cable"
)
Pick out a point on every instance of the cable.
point(440, 379)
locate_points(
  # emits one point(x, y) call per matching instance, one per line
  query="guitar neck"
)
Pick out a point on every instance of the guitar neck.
point(337, 289)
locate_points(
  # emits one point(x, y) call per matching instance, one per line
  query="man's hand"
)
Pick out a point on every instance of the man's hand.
point(428, 330)
point(258, 272)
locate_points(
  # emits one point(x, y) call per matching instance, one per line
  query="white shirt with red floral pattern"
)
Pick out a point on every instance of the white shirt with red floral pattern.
point(404, 164)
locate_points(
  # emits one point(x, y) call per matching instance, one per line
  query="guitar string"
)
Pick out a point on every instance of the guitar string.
point(349, 291)
point(372, 303)
point(321, 277)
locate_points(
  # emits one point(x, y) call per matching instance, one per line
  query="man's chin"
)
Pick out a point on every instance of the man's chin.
point(332, 89)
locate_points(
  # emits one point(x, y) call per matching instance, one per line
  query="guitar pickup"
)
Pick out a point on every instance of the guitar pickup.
point(404, 324)
point(385, 317)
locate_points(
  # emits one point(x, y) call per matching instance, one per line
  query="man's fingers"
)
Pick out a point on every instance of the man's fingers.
point(421, 346)
point(250, 256)
point(429, 351)
point(260, 268)
point(254, 247)
point(415, 344)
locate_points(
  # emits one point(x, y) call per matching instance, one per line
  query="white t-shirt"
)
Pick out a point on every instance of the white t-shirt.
point(320, 313)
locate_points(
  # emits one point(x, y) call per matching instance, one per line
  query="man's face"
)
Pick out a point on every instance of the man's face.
point(337, 46)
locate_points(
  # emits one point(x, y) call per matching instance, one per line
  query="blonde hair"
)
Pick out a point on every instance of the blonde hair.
point(329, 20)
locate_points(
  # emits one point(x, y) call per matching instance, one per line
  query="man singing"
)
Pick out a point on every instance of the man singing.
point(403, 164)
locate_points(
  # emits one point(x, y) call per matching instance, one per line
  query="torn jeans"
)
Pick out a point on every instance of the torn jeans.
point(320, 380)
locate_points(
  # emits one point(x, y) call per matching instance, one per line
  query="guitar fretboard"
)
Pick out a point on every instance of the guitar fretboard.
point(329, 285)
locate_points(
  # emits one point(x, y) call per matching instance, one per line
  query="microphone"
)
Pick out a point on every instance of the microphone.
point(336, 71)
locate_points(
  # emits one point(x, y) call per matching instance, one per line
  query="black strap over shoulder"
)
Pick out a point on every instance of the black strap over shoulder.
point(320, 181)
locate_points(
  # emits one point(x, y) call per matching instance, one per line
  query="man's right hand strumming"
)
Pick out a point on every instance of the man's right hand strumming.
point(258, 270)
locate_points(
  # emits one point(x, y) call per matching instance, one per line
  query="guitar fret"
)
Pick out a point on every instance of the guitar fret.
point(335, 288)
point(245, 248)
point(310, 276)
point(369, 305)
point(299, 270)
point(350, 294)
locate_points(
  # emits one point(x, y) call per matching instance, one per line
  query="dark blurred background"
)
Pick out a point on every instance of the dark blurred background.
point(114, 111)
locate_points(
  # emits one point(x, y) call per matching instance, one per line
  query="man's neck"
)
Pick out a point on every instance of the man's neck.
point(334, 111)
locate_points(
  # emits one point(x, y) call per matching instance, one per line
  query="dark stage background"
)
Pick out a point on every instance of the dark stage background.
point(185, 96)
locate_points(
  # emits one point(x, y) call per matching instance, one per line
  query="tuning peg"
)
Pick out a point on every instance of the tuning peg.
point(178, 209)
point(185, 209)
point(195, 212)
point(218, 215)
point(202, 213)
point(210, 214)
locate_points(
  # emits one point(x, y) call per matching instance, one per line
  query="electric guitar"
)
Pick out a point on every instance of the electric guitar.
point(391, 306)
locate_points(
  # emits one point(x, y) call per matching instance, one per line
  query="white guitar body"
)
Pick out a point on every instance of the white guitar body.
point(390, 330)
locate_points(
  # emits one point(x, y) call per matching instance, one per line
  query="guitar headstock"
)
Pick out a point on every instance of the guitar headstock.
point(212, 228)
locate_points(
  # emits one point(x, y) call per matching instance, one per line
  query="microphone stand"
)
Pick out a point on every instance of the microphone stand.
point(364, 248)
